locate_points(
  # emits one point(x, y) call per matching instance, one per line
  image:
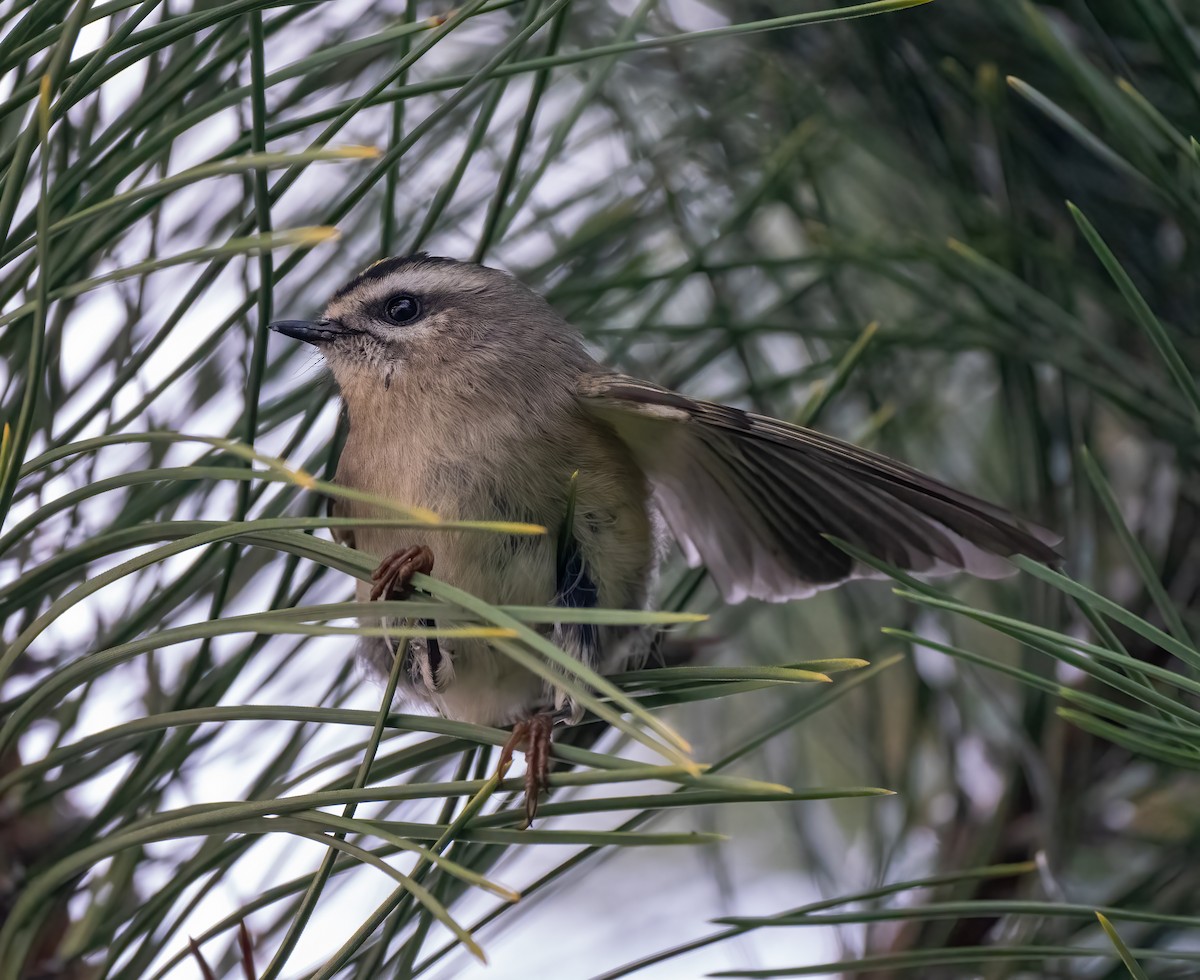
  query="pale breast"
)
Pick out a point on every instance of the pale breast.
point(510, 474)
point(510, 468)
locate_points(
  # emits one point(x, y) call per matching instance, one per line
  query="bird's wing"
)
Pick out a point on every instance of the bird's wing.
point(751, 497)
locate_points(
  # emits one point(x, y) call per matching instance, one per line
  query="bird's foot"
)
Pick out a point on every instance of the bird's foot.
point(393, 578)
point(531, 736)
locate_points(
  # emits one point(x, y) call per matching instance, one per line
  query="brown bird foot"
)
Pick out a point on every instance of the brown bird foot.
point(393, 578)
point(531, 736)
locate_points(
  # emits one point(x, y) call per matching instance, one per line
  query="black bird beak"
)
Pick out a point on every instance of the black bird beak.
point(310, 331)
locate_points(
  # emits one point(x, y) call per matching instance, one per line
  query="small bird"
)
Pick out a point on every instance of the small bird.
point(467, 394)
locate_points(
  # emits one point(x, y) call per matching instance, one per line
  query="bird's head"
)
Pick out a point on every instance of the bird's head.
point(432, 318)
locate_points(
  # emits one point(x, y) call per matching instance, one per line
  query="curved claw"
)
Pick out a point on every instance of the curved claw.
point(393, 578)
point(531, 736)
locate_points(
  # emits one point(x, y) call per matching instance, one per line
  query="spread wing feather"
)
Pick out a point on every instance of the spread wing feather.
point(751, 497)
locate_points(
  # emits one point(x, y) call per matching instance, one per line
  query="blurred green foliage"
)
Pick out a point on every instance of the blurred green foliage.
point(723, 196)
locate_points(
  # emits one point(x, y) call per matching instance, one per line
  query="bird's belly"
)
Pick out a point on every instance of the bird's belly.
point(498, 568)
point(471, 679)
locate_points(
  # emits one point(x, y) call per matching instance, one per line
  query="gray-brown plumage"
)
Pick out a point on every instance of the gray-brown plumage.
point(468, 395)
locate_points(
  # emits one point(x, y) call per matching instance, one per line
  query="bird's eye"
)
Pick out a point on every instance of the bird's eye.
point(403, 309)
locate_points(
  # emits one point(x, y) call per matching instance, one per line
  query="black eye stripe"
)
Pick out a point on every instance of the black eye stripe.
point(403, 309)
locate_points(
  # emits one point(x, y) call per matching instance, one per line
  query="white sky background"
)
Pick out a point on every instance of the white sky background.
point(628, 905)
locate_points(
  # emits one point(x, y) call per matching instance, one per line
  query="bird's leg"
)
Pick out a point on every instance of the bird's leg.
point(393, 578)
point(531, 736)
